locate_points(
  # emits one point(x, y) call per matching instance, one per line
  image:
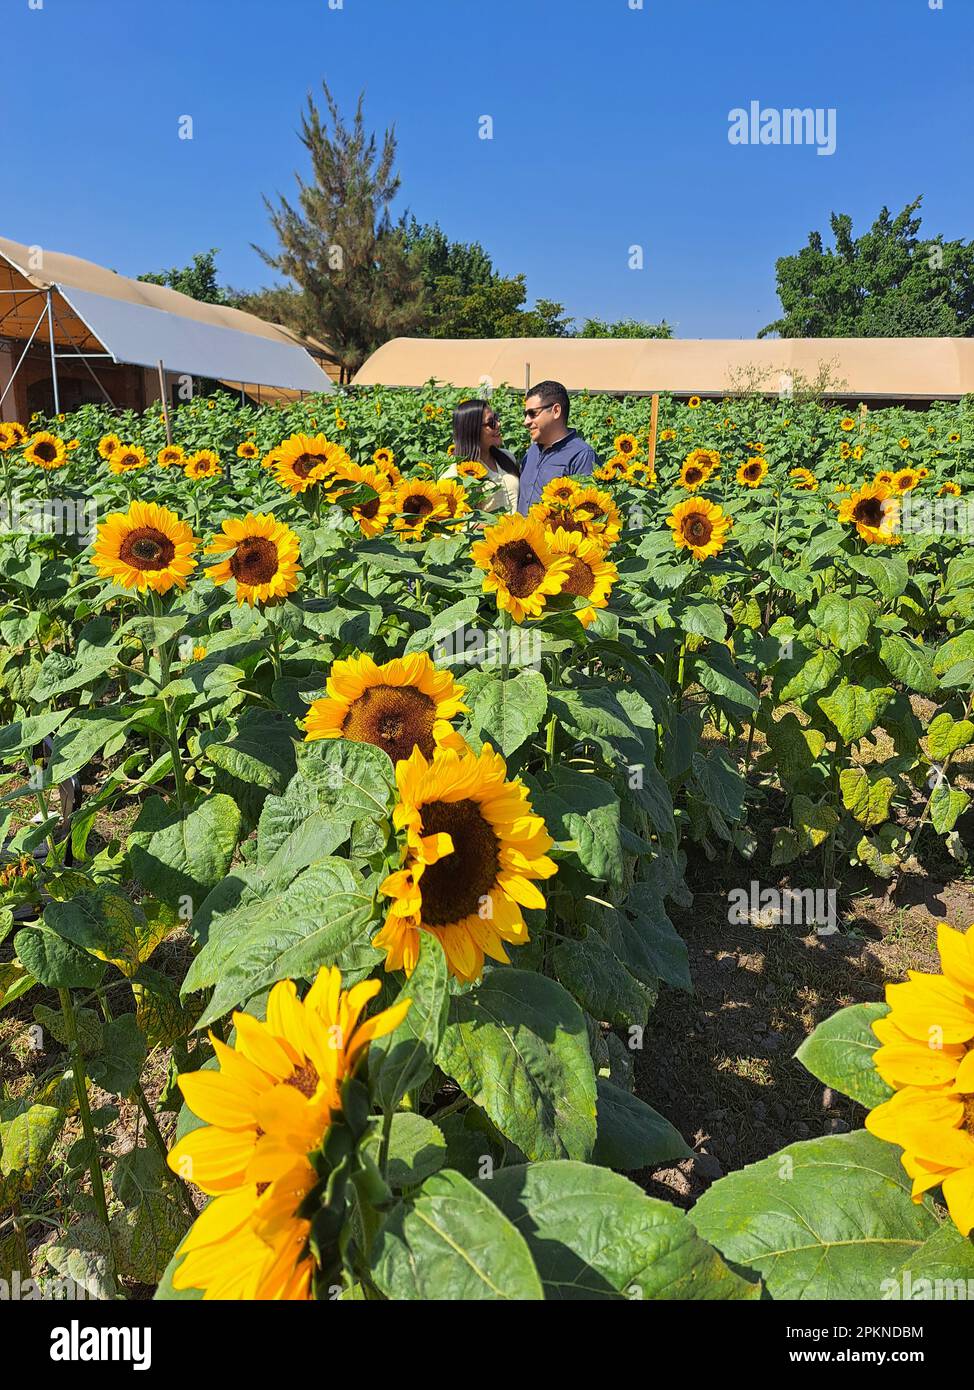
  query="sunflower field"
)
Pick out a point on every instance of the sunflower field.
point(343, 821)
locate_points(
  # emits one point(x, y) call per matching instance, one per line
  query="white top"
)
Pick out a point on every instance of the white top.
point(502, 488)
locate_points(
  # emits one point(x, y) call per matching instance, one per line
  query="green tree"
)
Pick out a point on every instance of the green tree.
point(624, 328)
point(465, 297)
point(360, 283)
point(198, 280)
point(888, 283)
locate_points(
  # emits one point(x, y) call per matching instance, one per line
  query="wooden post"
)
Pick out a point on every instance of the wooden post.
point(863, 412)
point(527, 377)
point(165, 402)
point(653, 429)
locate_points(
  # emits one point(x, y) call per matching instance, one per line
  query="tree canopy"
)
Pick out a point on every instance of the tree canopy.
point(889, 283)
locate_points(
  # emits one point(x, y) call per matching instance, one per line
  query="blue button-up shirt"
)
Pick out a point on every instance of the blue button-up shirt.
point(570, 455)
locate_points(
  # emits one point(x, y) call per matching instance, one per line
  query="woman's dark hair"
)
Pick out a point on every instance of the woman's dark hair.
point(468, 424)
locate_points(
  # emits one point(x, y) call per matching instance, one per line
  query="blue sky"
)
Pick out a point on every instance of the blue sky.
point(610, 129)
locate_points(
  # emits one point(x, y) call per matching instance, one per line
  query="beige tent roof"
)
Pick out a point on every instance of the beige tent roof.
point(901, 368)
point(83, 289)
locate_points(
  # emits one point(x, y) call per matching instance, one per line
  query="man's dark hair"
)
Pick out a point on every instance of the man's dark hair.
point(551, 393)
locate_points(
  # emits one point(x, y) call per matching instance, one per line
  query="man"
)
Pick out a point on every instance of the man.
point(556, 450)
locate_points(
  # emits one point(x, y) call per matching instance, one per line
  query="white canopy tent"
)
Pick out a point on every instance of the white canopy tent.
point(79, 310)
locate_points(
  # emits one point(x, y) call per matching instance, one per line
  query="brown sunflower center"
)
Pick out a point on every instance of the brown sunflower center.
point(129, 460)
point(752, 471)
point(697, 529)
point(693, 475)
point(396, 718)
point(145, 548)
point(304, 1079)
point(625, 447)
point(417, 505)
point(304, 464)
point(580, 581)
point(456, 885)
point(254, 561)
point(369, 509)
point(45, 451)
point(868, 511)
point(969, 1114)
point(520, 568)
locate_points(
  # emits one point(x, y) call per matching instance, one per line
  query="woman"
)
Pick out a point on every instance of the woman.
point(477, 439)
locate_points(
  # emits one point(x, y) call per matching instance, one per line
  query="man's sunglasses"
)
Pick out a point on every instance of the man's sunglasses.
point(538, 410)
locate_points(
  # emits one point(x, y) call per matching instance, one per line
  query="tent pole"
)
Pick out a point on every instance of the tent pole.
point(86, 364)
point(165, 402)
point(50, 331)
point(22, 356)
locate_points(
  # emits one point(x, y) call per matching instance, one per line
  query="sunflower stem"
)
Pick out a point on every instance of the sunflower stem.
point(84, 1110)
point(386, 1140)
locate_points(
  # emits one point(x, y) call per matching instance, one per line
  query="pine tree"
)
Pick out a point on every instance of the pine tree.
point(361, 284)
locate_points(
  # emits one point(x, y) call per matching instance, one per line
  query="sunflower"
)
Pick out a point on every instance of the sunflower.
point(46, 451)
point(906, 480)
point(757, 448)
point(804, 479)
point(698, 466)
point(418, 503)
point(560, 492)
point(927, 1056)
point(521, 567)
point(640, 474)
point(205, 463)
point(667, 436)
point(591, 575)
point(385, 458)
point(845, 450)
point(266, 1111)
point(473, 848)
point(949, 490)
point(128, 458)
point(858, 453)
point(264, 562)
point(609, 471)
point(455, 499)
point(405, 704)
point(921, 472)
point(594, 514)
point(694, 403)
point(147, 547)
point(302, 461)
point(751, 473)
point(847, 424)
point(626, 444)
point(429, 410)
point(472, 468)
point(108, 444)
point(14, 433)
point(874, 512)
point(904, 443)
point(270, 459)
point(171, 456)
point(953, 438)
point(699, 526)
point(73, 444)
point(373, 514)
point(885, 477)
